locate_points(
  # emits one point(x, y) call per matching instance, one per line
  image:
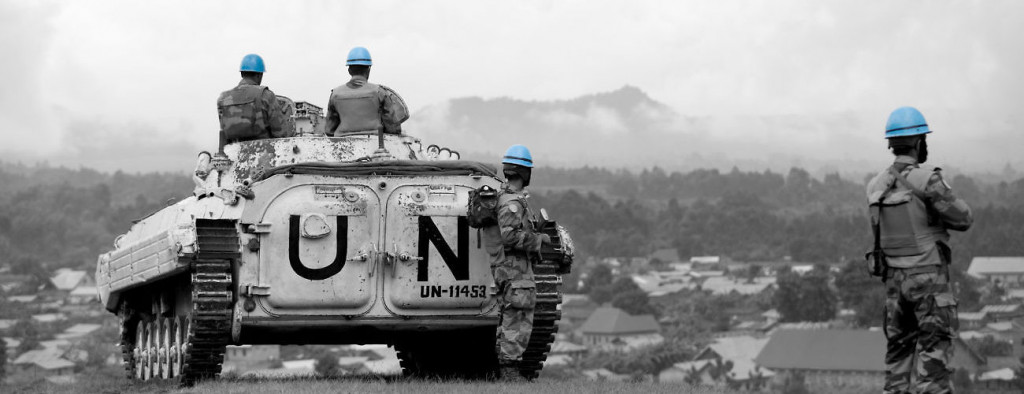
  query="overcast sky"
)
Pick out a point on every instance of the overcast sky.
point(115, 75)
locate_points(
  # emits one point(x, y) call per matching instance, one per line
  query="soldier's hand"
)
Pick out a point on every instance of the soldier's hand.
point(545, 239)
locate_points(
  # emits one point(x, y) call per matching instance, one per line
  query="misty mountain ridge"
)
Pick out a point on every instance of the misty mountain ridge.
point(626, 128)
point(623, 128)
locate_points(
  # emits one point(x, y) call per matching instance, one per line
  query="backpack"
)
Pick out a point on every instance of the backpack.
point(483, 207)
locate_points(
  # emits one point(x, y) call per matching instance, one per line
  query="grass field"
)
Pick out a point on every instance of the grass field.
point(101, 382)
point(408, 386)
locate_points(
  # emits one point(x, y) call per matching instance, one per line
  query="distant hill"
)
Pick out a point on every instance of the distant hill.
point(628, 128)
point(611, 128)
point(622, 128)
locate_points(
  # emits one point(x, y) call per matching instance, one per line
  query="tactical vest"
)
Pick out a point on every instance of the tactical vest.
point(907, 228)
point(240, 114)
point(358, 109)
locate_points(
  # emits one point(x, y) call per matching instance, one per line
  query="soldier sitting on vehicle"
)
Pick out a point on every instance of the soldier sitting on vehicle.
point(363, 106)
point(250, 111)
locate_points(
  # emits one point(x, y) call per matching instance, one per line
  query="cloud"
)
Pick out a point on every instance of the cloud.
point(26, 34)
point(160, 64)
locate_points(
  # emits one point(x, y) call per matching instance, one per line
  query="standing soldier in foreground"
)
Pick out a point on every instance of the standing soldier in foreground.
point(912, 207)
point(250, 111)
point(363, 106)
point(510, 244)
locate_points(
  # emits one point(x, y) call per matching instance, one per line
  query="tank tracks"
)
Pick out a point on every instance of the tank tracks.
point(475, 356)
point(545, 319)
point(188, 348)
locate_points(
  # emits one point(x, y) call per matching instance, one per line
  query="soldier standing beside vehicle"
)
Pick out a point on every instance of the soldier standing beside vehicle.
point(250, 111)
point(363, 106)
point(511, 243)
point(912, 207)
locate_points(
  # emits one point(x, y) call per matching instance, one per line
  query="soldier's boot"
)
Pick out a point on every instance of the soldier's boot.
point(509, 371)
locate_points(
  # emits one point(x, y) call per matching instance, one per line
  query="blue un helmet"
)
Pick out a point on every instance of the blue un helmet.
point(252, 62)
point(517, 162)
point(518, 155)
point(904, 122)
point(359, 56)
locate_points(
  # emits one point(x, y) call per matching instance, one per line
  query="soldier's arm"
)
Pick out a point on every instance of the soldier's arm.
point(514, 235)
point(273, 114)
point(333, 120)
point(953, 211)
point(393, 110)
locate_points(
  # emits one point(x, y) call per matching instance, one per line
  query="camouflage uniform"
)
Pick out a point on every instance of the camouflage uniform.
point(363, 106)
point(268, 120)
point(510, 244)
point(920, 308)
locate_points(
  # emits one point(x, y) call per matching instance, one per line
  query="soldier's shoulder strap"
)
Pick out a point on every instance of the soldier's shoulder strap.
point(388, 90)
point(911, 179)
point(393, 94)
point(920, 177)
point(505, 197)
point(880, 186)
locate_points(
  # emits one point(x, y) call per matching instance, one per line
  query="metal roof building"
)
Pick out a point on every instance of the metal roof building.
point(1001, 270)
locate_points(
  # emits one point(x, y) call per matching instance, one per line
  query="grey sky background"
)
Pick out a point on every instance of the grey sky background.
point(107, 83)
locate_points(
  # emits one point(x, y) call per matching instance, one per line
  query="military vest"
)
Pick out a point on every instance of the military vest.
point(358, 109)
point(240, 114)
point(906, 225)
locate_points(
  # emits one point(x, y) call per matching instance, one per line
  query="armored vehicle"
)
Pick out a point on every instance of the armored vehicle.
point(319, 240)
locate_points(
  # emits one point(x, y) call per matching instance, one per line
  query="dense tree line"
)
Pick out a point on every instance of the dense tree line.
point(752, 216)
point(64, 217)
point(57, 217)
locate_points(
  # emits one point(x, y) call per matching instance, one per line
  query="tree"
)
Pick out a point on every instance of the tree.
point(623, 294)
point(720, 370)
point(990, 347)
point(651, 360)
point(962, 381)
point(326, 365)
point(3, 360)
point(861, 292)
point(753, 271)
point(600, 276)
point(634, 302)
point(602, 295)
point(805, 298)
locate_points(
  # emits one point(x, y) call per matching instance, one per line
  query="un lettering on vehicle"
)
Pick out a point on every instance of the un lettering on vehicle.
point(452, 270)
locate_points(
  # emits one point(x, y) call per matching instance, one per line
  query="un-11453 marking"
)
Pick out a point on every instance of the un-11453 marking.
point(453, 291)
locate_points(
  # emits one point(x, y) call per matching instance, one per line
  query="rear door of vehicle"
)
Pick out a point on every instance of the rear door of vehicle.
point(438, 264)
point(318, 255)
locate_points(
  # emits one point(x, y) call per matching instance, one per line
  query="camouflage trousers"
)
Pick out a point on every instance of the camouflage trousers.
point(517, 294)
point(920, 323)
